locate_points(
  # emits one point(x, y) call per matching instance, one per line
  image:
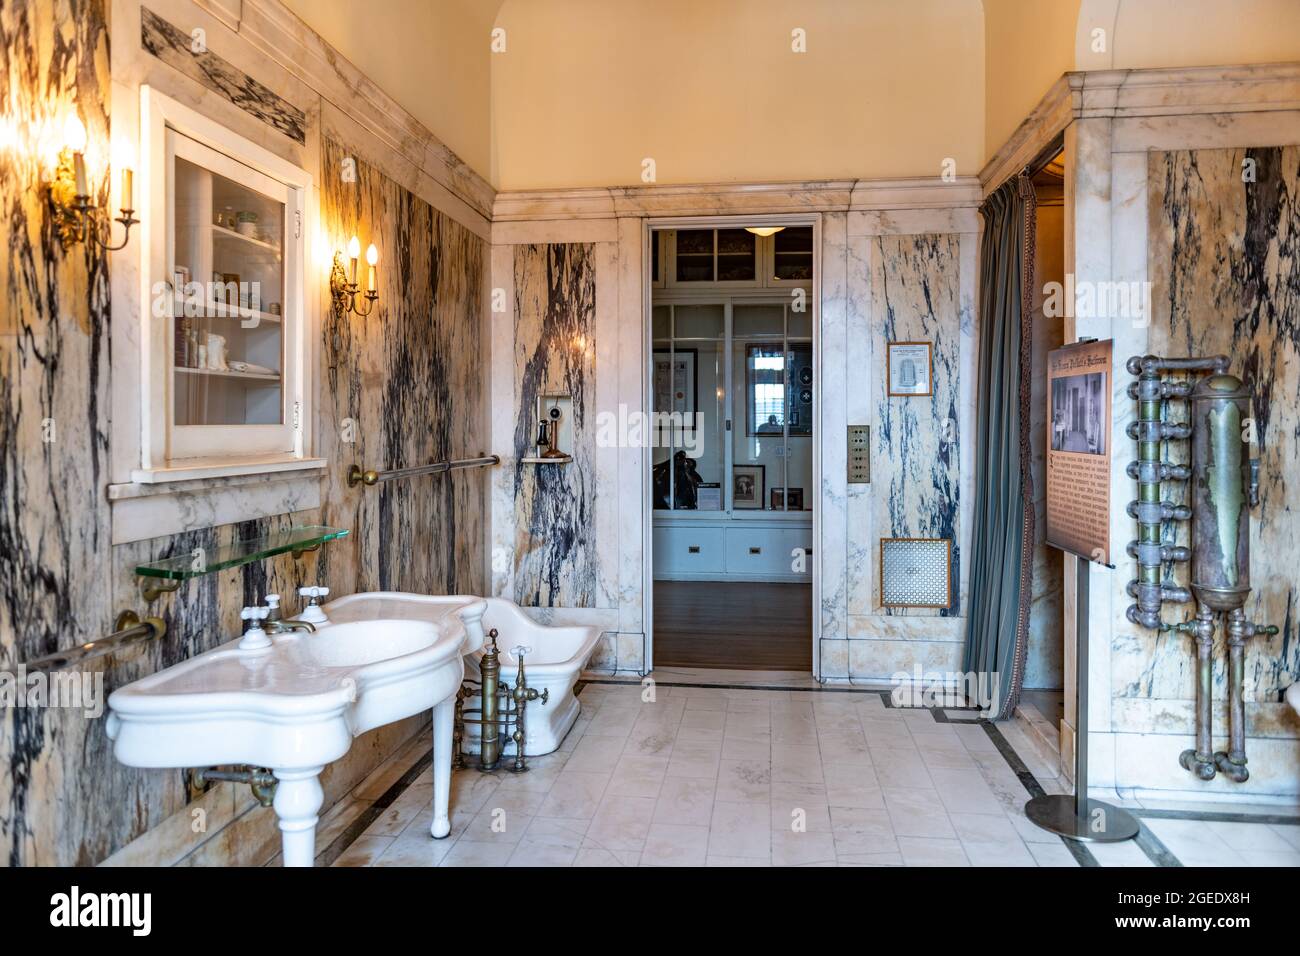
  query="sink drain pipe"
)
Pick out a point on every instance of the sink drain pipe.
point(260, 780)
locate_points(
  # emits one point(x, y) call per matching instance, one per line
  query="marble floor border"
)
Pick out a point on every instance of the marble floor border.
point(1156, 851)
point(1147, 841)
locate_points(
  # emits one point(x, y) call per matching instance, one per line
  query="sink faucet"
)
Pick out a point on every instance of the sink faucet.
point(275, 622)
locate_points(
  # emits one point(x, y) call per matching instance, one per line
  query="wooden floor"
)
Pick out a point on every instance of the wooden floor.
point(737, 625)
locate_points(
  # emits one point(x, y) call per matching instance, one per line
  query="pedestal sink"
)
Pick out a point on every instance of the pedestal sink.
point(296, 705)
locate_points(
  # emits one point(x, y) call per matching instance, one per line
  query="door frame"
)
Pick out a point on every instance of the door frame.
point(649, 226)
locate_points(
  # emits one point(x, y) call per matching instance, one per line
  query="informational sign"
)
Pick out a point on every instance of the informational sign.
point(1078, 449)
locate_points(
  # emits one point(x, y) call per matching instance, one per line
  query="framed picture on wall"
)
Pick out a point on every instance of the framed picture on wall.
point(748, 486)
point(675, 383)
point(779, 498)
point(910, 368)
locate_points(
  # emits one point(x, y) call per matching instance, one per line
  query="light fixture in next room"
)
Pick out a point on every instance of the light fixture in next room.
point(764, 231)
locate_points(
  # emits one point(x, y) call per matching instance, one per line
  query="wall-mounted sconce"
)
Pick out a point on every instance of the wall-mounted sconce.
point(78, 219)
point(344, 284)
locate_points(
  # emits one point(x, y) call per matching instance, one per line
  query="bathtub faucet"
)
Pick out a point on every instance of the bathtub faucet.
point(492, 720)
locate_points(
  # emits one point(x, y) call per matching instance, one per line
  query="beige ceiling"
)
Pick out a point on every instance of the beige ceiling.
point(710, 90)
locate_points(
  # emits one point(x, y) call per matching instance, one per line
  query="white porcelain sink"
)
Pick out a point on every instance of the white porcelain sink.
point(296, 705)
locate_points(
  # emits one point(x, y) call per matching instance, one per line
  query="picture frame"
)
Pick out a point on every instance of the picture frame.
point(684, 400)
point(909, 369)
point(778, 497)
point(748, 487)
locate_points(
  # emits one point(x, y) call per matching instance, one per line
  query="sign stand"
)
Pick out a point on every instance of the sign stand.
point(1078, 817)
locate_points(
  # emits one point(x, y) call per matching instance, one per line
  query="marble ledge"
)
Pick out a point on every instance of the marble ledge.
point(913, 222)
point(1202, 93)
point(144, 511)
point(1174, 90)
point(707, 199)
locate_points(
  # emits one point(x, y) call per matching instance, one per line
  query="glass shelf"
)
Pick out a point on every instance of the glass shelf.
point(193, 565)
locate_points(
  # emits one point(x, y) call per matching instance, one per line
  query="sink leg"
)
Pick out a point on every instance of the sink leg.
point(298, 798)
point(443, 721)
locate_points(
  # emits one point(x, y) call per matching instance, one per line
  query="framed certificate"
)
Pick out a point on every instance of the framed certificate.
point(910, 368)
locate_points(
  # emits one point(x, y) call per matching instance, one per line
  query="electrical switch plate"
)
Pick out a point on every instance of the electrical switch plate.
point(859, 454)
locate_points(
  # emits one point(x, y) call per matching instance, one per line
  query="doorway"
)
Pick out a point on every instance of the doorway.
point(1043, 694)
point(732, 375)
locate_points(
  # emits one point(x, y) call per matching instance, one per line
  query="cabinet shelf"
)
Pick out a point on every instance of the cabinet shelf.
point(237, 313)
point(189, 565)
point(223, 234)
point(228, 373)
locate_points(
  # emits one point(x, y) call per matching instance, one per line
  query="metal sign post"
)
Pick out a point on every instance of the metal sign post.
point(1078, 817)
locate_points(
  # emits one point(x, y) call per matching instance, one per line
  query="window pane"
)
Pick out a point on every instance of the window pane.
point(755, 320)
point(661, 328)
point(792, 254)
point(736, 255)
point(695, 255)
point(689, 428)
point(765, 389)
point(699, 321)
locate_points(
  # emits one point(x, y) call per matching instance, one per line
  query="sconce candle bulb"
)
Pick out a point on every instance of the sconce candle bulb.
point(69, 194)
point(343, 284)
point(354, 253)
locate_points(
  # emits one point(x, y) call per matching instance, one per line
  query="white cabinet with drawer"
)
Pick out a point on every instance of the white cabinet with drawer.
point(687, 552)
point(741, 550)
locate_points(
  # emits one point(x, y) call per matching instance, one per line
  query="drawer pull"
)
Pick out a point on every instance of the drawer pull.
point(755, 550)
point(693, 549)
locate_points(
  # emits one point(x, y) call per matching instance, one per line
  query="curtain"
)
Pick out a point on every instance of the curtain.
point(1003, 516)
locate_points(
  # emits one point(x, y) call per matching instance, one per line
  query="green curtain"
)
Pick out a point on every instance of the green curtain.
point(1002, 532)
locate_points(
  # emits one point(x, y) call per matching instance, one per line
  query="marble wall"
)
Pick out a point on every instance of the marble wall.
point(557, 563)
point(403, 386)
point(901, 286)
point(400, 387)
point(1224, 261)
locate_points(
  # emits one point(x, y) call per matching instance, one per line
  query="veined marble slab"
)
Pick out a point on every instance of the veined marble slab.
point(915, 297)
point(1224, 261)
point(557, 557)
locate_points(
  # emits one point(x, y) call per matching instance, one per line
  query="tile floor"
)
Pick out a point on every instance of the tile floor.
point(737, 776)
